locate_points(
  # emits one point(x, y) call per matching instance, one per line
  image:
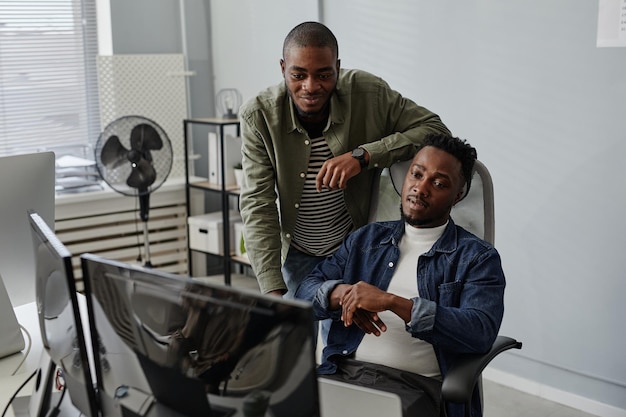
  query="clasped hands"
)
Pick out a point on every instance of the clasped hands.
point(360, 304)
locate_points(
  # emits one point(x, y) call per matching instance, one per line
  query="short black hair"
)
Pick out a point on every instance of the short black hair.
point(459, 148)
point(311, 34)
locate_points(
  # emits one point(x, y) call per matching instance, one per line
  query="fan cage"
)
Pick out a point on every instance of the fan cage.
point(116, 176)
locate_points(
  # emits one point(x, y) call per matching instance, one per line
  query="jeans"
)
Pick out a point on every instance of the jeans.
point(298, 265)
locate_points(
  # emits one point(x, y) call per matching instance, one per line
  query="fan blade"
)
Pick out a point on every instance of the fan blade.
point(142, 176)
point(145, 137)
point(113, 153)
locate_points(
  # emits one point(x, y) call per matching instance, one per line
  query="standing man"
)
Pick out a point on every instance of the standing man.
point(312, 148)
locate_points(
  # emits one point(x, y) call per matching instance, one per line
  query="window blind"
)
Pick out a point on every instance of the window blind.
point(48, 80)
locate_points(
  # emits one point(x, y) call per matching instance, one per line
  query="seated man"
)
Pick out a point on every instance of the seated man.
point(411, 294)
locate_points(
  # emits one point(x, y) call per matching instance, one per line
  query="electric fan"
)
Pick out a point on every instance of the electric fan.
point(134, 157)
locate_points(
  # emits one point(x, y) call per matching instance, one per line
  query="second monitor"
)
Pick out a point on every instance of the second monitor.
point(167, 345)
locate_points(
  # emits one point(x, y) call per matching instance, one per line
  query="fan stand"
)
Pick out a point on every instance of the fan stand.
point(144, 208)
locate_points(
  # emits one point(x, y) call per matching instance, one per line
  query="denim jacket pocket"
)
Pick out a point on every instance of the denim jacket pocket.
point(450, 293)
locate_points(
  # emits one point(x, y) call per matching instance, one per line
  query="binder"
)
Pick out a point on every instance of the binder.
point(232, 156)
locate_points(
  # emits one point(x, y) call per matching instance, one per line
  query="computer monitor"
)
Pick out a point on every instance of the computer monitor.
point(26, 182)
point(170, 345)
point(60, 319)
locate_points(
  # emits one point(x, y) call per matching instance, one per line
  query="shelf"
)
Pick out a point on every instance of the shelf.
point(239, 259)
point(215, 121)
point(236, 280)
point(206, 185)
point(203, 184)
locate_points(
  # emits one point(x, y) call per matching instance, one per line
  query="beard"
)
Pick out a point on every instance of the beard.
point(309, 115)
point(422, 222)
point(411, 221)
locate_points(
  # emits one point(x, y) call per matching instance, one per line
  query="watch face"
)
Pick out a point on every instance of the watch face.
point(358, 153)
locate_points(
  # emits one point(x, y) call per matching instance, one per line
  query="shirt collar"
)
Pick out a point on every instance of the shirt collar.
point(447, 243)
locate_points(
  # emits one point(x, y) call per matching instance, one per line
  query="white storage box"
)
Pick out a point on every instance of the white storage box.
point(206, 232)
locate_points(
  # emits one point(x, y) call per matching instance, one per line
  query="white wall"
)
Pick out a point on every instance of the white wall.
point(525, 83)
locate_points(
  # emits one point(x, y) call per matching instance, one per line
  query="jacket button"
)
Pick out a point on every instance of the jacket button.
point(288, 235)
point(302, 175)
point(390, 264)
point(296, 205)
point(306, 142)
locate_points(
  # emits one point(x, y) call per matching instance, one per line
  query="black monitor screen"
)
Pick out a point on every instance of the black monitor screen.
point(59, 316)
point(172, 345)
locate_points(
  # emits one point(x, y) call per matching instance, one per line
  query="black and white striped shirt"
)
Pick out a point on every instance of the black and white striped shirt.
point(323, 220)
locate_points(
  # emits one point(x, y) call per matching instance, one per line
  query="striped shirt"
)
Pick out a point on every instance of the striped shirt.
point(323, 220)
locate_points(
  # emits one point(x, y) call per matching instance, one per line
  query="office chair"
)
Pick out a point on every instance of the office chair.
point(475, 212)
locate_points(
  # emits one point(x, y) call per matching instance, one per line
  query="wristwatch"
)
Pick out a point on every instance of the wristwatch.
point(359, 155)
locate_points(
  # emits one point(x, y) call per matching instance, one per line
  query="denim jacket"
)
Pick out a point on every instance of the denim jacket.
point(460, 281)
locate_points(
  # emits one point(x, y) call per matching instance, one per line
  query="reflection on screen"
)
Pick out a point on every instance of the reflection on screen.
point(197, 349)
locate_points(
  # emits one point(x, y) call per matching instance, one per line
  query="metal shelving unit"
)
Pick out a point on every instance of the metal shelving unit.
point(222, 189)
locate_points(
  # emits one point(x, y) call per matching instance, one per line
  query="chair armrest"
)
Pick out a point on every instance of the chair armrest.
point(458, 385)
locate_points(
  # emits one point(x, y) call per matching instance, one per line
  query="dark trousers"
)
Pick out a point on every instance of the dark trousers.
point(420, 395)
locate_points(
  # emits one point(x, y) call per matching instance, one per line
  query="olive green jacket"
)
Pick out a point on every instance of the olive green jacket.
point(364, 111)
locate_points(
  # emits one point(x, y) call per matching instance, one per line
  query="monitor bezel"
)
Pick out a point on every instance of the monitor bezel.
point(64, 257)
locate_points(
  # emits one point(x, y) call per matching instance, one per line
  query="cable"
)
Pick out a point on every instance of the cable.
point(16, 392)
point(30, 344)
point(60, 384)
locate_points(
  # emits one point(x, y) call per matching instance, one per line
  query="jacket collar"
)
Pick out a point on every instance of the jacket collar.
point(447, 243)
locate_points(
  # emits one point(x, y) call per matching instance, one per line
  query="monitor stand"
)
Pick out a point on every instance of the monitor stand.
point(37, 404)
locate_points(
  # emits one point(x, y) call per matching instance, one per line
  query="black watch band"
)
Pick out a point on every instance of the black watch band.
point(359, 155)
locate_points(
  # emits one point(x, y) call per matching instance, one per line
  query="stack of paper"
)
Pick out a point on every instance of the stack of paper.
point(75, 174)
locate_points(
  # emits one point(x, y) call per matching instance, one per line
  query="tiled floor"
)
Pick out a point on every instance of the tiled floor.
point(501, 401)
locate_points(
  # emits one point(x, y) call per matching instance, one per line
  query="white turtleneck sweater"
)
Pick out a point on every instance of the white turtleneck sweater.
point(396, 347)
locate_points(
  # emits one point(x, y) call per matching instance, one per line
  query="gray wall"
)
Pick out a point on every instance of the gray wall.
point(248, 39)
point(525, 83)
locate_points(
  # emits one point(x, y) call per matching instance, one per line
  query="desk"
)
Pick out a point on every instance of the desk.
point(36, 358)
point(333, 396)
point(9, 383)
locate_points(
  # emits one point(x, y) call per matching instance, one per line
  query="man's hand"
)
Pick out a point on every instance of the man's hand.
point(360, 303)
point(363, 296)
point(336, 172)
point(367, 321)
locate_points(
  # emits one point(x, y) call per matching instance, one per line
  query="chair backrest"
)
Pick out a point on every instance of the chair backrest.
point(475, 212)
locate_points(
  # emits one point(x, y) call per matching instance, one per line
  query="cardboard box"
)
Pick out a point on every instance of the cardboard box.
point(206, 232)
